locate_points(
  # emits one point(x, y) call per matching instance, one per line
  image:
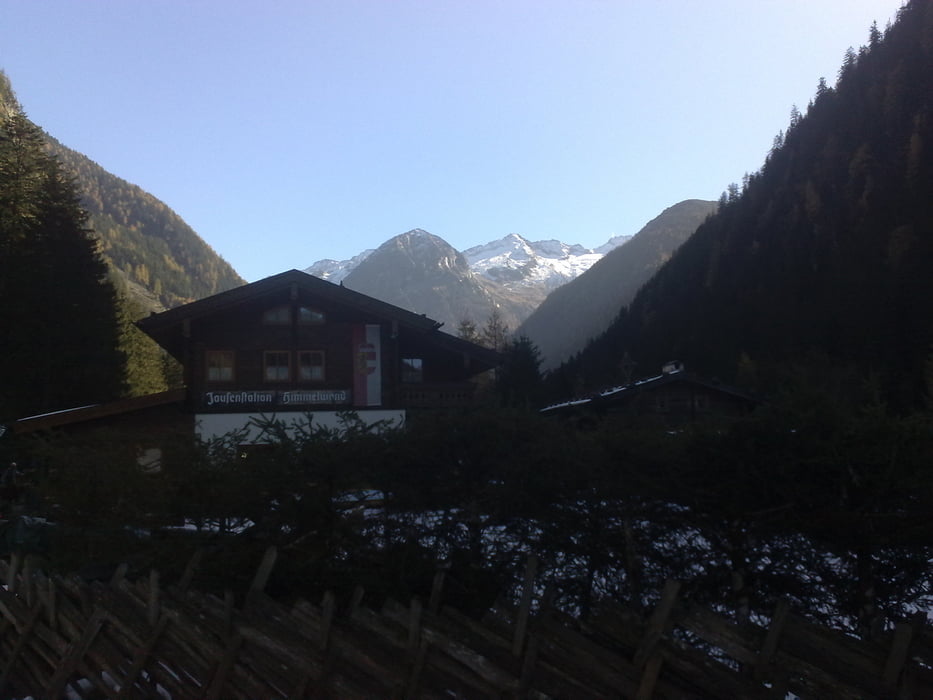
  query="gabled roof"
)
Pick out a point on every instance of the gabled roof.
point(81, 414)
point(624, 392)
point(313, 285)
point(161, 325)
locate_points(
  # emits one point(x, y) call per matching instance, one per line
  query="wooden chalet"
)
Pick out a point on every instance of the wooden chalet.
point(674, 397)
point(292, 345)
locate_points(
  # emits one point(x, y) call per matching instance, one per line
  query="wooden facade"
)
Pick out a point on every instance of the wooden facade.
point(288, 346)
point(293, 343)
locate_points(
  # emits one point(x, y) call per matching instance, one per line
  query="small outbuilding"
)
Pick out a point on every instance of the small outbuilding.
point(675, 397)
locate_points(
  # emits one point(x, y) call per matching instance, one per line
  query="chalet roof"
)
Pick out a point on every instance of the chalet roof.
point(82, 414)
point(623, 392)
point(161, 325)
point(302, 280)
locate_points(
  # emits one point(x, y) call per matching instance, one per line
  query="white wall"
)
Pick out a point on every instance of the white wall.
point(213, 425)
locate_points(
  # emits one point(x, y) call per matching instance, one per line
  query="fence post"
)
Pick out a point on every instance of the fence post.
point(657, 622)
point(262, 573)
point(191, 567)
point(524, 609)
point(900, 650)
point(154, 603)
point(437, 588)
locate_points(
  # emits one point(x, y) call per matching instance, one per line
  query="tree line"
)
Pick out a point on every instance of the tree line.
point(824, 252)
point(814, 499)
point(67, 321)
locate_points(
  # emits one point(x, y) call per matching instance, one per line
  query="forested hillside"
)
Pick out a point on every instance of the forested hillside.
point(823, 257)
point(163, 261)
point(584, 307)
point(143, 238)
point(150, 260)
point(59, 313)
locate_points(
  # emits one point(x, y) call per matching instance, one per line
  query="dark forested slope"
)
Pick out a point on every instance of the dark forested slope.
point(143, 238)
point(826, 251)
point(58, 308)
point(163, 261)
point(584, 307)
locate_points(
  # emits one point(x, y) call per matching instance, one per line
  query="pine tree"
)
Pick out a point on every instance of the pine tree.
point(57, 306)
point(467, 330)
point(145, 367)
point(496, 332)
point(519, 381)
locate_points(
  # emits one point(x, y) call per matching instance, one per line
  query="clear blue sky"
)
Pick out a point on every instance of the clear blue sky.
point(288, 131)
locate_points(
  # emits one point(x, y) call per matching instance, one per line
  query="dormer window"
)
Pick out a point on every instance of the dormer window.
point(310, 317)
point(278, 316)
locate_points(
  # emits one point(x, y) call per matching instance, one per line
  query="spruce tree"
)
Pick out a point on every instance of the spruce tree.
point(57, 306)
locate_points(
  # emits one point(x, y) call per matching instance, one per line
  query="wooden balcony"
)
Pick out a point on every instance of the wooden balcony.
point(450, 395)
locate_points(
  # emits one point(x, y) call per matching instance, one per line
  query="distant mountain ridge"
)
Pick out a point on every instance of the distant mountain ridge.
point(583, 308)
point(819, 268)
point(511, 274)
point(515, 262)
point(512, 260)
point(423, 273)
point(526, 282)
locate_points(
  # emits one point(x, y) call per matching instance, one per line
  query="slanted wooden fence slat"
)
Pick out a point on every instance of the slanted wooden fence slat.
point(139, 639)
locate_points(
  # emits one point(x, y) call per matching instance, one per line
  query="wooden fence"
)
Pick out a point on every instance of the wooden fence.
point(139, 639)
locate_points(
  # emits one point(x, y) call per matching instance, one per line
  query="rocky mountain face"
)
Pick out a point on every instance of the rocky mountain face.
point(584, 307)
point(335, 270)
point(519, 264)
point(423, 273)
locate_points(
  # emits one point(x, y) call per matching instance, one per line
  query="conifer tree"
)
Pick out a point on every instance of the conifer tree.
point(57, 306)
point(496, 332)
point(520, 377)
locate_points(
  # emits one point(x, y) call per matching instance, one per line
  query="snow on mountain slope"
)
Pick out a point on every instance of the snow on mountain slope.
point(336, 270)
point(513, 262)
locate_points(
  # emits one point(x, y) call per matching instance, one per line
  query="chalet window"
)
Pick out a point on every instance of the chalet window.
point(311, 365)
point(220, 365)
point(310, 317)
point(276, 366)
point(278, 316)
point(412, 370)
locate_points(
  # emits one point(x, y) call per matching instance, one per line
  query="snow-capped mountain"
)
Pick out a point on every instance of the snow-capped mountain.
point(515, 262)
point(423, 273)
point(336, 270)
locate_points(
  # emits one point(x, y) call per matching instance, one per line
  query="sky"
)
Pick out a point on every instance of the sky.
point(285, 131)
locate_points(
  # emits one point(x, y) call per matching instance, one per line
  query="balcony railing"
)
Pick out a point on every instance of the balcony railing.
point(436, 395)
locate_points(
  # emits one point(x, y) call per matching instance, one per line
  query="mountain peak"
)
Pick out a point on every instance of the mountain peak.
point(511, 273)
